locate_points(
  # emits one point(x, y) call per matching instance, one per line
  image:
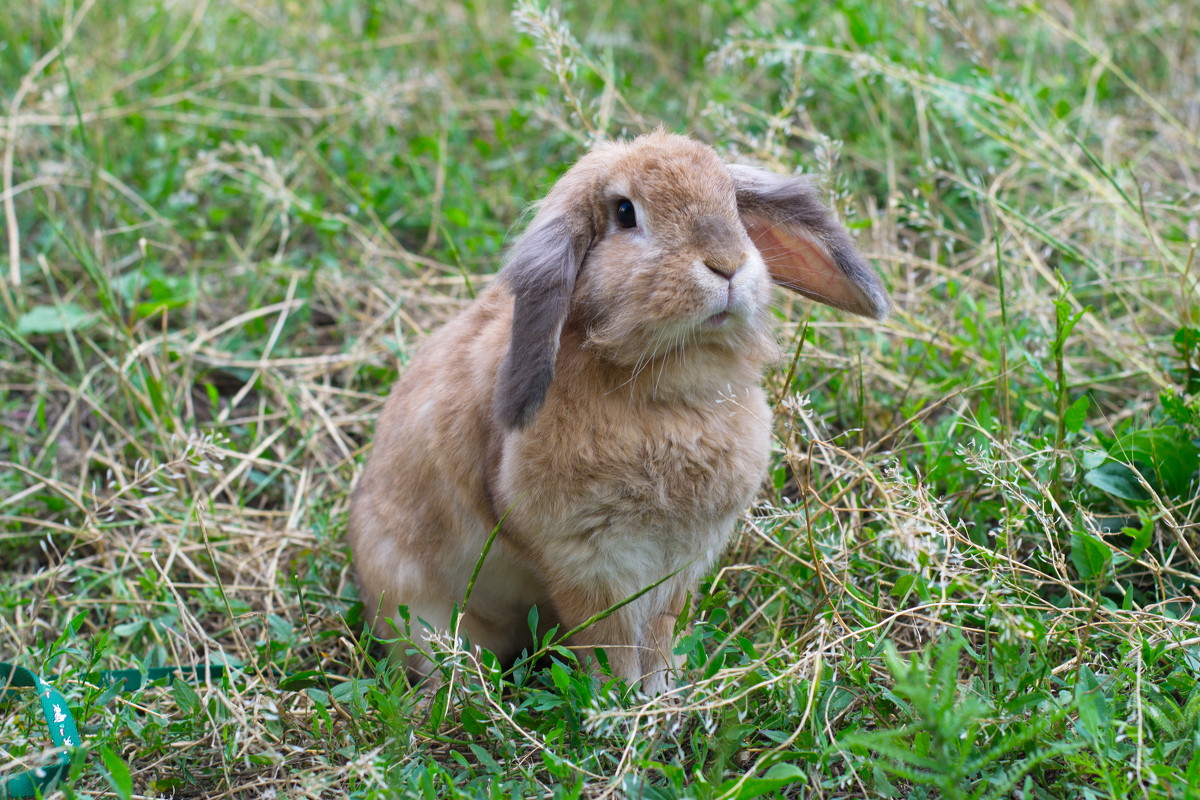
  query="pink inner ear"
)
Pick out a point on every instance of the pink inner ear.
point(802, 265)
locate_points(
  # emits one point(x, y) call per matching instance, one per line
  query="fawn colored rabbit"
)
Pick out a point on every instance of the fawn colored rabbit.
point(602, 400)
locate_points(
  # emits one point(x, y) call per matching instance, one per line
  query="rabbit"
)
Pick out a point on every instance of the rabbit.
point(600, 404)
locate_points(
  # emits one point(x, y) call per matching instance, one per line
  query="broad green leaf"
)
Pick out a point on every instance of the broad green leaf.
point(486, 759)
point(110, 693)
point(128, 628)
point(164, 293)
point(1176, 405)
point(438, 706)
point(118, 773)
point(185, 697)
point(903, 584)
point(1142, 537)
point(1089, 555)
point(303, 680)
point(1066, 320)
point(777, 777)
point(1076, 415)
point(352, 689)
point(1118, 480)
point(473, 721)
point(562, 681)
point(639, 787)
point(1169, 454)
point(532, 621)
point(55, 319)
point(1094, 713)
point(1187, 340)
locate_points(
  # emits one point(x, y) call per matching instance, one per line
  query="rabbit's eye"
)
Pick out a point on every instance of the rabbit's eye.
point(626, 216)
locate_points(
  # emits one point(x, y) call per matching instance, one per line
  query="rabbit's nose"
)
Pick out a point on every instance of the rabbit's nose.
point(726, 269)
point(720, 243)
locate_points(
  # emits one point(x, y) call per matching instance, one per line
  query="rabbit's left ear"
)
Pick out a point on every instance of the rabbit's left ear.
point(541, 272)
point(805, 248)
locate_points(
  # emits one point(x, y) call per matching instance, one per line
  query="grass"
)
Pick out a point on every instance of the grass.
point(974, 573)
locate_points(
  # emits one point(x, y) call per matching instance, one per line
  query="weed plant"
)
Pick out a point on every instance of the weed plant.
point(973, 573)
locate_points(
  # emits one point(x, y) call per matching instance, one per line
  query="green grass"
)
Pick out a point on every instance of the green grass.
point(974, 573)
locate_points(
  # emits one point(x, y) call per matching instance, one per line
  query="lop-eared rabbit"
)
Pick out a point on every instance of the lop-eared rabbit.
point(600, 403)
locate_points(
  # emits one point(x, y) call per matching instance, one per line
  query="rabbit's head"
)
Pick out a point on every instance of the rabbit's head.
point(656, 246)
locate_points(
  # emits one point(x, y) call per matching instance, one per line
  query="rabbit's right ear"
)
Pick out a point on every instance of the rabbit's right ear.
point(541, 271)
point(804, 246)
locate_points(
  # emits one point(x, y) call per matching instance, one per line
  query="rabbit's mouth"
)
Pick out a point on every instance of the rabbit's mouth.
point(718, 320)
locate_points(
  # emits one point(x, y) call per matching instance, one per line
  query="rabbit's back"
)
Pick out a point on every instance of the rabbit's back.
point(422, 510)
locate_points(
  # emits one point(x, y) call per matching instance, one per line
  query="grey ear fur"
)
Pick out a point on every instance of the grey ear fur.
point(541, 271)
point(787, 210)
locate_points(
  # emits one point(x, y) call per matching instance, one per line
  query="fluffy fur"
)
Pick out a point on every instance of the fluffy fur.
point(602, 399)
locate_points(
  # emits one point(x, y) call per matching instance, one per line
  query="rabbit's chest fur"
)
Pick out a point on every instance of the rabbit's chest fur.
point(656, 485)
